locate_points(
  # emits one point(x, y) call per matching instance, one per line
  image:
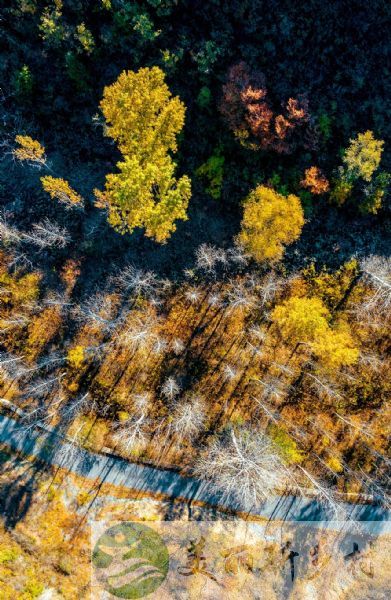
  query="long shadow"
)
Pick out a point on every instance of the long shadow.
point(16, 497)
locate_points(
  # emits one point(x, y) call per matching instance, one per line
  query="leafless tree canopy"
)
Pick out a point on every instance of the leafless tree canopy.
point(170, 388)
point(47, 235)
point(245, 467)
point(138, 282)
point(378, 270)
point(133, 432)
point(188, 418)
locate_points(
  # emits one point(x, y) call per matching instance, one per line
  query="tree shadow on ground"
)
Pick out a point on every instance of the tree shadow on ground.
point(16, 497)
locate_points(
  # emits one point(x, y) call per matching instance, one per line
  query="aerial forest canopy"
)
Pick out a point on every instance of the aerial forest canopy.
point(144, 120)
point(195, 250)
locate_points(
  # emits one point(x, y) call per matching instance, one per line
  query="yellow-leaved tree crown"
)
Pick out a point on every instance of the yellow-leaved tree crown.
point(144, 119)
point(306, 320)
point(362, 156)
point(270, 222)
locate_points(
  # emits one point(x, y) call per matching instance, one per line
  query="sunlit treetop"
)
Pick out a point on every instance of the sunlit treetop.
point(315, 181)
point(60, 190)
point(306, 320)
point(141, 113)
point(363, 155)
point(270, 222)
point(335, 348)
point(146, 196)
point(301, 319)
point(29, 150)
point(144, 119)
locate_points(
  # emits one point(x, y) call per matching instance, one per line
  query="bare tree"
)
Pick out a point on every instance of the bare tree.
point(192, 295)
point(257, 334)
point(97, 310)
point(12, 366)
point(188, 419)
point(177, 346)
point(362, 428)
point(230, 372)
point(16, 369)
point(41, 387)
point(68, 452)
point(324, 389)
point(160, 345)
point(238, 256)
point(46, 363)
point(273, 416)
point(377, 270)
point(269, 288)
point(42, 416)
point(138, 282)
point(8, 233)
point(19, 260)
point(283, 368)
point(133, 432)
point(13, 322)
point(170, 388)
point(139, 333)
point(371, 360)
point(222, 257)
point(57, 299)
point(47, 235)
point(71, 409)
point(244, 468)
point(273, 388)
point(239, 297)
point(256, 340)
point(206, 258)
point(325, 496)
point(214, 300)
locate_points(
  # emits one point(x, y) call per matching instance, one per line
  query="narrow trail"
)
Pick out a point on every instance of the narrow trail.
point(51, 449)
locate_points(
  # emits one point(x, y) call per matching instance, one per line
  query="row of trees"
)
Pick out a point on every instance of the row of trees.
point(144, 119)
point(228, 363)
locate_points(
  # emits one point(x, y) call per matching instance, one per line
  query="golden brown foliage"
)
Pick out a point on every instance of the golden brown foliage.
point(315, 181)
point(248, 112)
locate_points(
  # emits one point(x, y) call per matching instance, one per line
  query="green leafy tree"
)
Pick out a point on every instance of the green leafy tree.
point(23, 82)
point(213, 171)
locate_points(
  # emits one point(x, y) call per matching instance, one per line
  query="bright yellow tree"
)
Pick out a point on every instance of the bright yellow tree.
point(307, 320)
point(301, 319)
point(363, 155)
point(335, 348)
point(60, 189)
point(270, 222)
point(144, 119)
point(76, 356)
point(29, 150)
point(132, 196)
